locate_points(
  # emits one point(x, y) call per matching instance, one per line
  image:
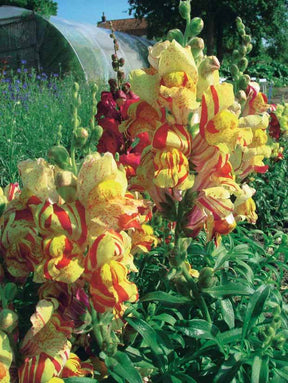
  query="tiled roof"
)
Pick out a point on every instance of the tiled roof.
point(131, 26)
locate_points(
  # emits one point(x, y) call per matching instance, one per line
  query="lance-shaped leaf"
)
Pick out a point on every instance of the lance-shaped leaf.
point(255, 308)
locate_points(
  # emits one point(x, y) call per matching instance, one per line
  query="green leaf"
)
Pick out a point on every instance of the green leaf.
point(230, 336)
point(231, 288)
point(150, 337)
point(255, 308)
point(229, 369)
point(260, 369)
point(228, 312)
point(165, 318)
point(121, 366)
point(283, 373)
point(197, 328)
point(167, 298)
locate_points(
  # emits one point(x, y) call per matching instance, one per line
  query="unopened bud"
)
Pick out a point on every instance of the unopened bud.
point(76, 87)
point(242, 64)
point(244, 81)
point(247, 39)
point(96, 134)
point(8, 320)
point(241, 96)
point(197, 43)
point(59, 156)
point(234, 70)
point(184, 9)
point(121, 61)
point(80, 137)
point(206, 277)
point(175, 34)
point(249, 48)
point(196, 26)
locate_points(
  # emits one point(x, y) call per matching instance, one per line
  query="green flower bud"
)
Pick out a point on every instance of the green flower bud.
point(175, 34)
point(243, 82)
point(80, 137)
point(8, 320)
point(206, 277)
point(247, 39)
point(249, 48)
point(196, 25)
point(184, 9)
point(94, 88)
point(236, 55)
point(97, 133)
point(242, 64)
point(234, 70)
point(76, 87)
point(59, 156)
point(242, 50)
point(197, 43)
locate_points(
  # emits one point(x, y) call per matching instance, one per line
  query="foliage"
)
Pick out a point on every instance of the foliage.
point(43, 7)
point(263, 18)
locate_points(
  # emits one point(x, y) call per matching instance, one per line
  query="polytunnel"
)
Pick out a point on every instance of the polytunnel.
point(56, 45)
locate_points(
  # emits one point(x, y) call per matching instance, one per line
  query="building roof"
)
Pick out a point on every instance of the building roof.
point(135, 27)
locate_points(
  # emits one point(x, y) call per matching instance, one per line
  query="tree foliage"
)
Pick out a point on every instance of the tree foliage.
point(266, 20)
point(43, 7)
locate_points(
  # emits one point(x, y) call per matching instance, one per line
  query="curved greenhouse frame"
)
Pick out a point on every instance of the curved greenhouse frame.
point(58, 45)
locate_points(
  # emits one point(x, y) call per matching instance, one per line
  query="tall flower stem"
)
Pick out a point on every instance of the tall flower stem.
point(196, 294)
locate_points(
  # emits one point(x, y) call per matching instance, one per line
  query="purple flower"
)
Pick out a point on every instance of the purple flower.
point(23, 62)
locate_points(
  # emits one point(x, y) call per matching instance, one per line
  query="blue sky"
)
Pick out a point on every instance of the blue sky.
point(90, 11)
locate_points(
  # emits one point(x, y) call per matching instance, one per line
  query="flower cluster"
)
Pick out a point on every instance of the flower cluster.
point(80, 250)
point(204, 141)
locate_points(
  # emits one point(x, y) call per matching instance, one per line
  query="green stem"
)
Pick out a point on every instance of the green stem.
point(186, 33)
point(196, 294)
point(72, 149)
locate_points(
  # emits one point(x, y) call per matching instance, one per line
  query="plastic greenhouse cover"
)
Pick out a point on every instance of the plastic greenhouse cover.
point(74, 46)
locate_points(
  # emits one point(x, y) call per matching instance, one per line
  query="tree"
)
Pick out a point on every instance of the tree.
point(261, 17)
point(43, 7)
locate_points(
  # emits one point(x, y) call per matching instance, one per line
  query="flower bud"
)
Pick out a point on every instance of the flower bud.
point(80, 137)
point(236, 55)
point(96, 134)
point(66, 185)
point(242, 64)
point(247, 39)
point(175, 34)
point(184, 9)
point(8, 320)
point(249, 48)
point(196, 25)
point(59, 156)
point(244, 81)
point(121, 61)
point(114, 57)
point(206, 277)
point(241, 96)
point(197, 43)
point(76, 87)
point(234, 70)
